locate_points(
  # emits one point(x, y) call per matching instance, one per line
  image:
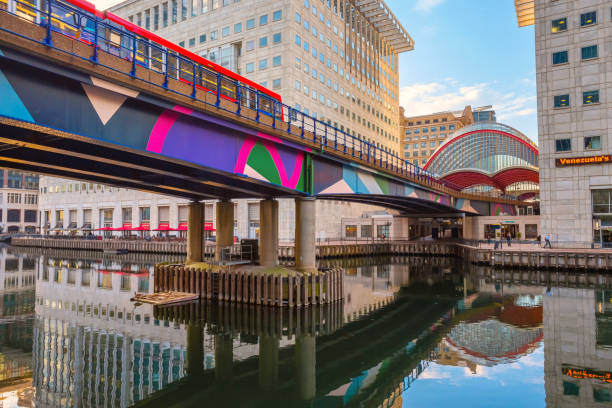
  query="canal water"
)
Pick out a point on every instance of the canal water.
point(426, 332)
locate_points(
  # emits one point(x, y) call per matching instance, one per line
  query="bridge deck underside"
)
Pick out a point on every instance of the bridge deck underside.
point(33, 148)
point(408, 205)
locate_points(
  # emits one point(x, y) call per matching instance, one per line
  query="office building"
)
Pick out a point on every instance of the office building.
point(18, 202)
point(573, 68)
point(423, 134)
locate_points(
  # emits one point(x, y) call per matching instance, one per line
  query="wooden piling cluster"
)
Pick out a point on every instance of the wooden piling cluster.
point(252, 287)
point(254, 320)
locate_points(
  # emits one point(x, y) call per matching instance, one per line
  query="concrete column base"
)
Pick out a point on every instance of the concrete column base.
point(195, 233)
point(225, 227)
point(268, 233)
point(305, 235)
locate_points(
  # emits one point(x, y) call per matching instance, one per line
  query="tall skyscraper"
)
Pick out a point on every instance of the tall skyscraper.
point(574, 71)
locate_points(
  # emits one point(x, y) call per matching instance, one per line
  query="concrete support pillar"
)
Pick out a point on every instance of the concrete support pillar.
point(305, 235)
point(195, 232)
point(224, 357)
point(268, 362)
point(225, 226)
point(305, 366)
point(195, 349)
point(268, 233)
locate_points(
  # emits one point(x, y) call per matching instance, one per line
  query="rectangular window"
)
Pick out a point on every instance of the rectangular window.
point(263, 20)
point(165, 15)
point(194, 8)
point(276, 61)
point(298, 18)
point(587, 19)
point(263, 64)
point(174, 11)
point(276, 38)
point(350, 231)
point(202, 38)
point(250, 23)
point(156, 18)
point(263, 42)
point(237, 27)
point(592, 142)
point(590, 97)
point(277, 15)
point(250, 45)
point(298, 40)
point(250, 67)
point(192, 42)
point(562, 101)
point(563, 145)
point(559, 25)
point(147, 19)
point(589, 52)
point(204, 6)
point(183, 10)
point(276, 83)
point(213, 35)
point(225, 31)
point(560, 57)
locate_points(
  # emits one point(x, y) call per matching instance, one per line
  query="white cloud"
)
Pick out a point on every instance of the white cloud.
point(427, 5)
point(450, 95)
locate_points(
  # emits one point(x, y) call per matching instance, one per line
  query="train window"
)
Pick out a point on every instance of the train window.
point(114, 38)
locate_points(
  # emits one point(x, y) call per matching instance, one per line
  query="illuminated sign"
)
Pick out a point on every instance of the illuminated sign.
point(582, 373)
point(583, 161)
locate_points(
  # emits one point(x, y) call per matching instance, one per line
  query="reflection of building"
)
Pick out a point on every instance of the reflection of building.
point(572, 68)
point(578, 353)
point(423, 134)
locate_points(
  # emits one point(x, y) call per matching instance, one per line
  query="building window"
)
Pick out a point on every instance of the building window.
point(298, 40)
point(14, 179)
point(592, 143)
point(14, 198)
point(563, 145)
point(276, 61)
point(350, 231)
point(531, 231)
point(560, 57)
point(366, 231)
point(562, 101)
point(250, 67)
point(276, 38)
point(29, 216)
point(276, 83)
point(15, 216)
point(202, 38)
point(263, 42)
point(263, 64)
point(192, 42)
point(213, 35)
point(587, 19)
point(570, 388)
point(589, 52)
point(263, 20)
point(250, 45)
point(601, 395)
point(225, 31)
point(590, 97)
point(250, 23)
point(277, 15)
point(237, 27)
point(559, 25)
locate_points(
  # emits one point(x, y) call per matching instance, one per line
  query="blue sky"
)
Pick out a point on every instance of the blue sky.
point(518, 384)
point(468, 52)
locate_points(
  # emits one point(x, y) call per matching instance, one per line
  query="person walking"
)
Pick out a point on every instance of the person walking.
point(547, 241)
point(508, 238)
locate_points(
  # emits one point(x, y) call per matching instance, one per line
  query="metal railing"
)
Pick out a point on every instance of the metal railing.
point(101, 35)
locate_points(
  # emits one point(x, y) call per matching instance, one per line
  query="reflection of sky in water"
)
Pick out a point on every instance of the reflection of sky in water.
point(518, 384)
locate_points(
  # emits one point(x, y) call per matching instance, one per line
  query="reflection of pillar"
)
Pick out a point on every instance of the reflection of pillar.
point(224, 356)
point(195, 232)
point(195, 349)
point(268, 233)
point(268, 361)
point(225, 226)
point(305, 228)
point(305, 366)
